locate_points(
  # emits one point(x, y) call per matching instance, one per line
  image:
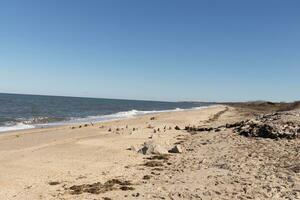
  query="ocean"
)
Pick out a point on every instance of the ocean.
point(18, 111)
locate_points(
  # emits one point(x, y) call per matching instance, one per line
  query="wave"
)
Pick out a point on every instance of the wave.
point(40, 122)
point(18, 126)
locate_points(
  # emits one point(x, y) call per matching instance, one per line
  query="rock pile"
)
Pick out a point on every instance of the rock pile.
point(256, 128)
point(266, 126)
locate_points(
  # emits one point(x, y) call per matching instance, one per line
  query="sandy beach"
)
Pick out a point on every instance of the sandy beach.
point(101, 161)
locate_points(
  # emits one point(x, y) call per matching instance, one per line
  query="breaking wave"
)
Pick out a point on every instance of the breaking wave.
point(38, 122)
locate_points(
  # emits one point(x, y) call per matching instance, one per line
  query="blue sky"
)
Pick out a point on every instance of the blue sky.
point(208, 50)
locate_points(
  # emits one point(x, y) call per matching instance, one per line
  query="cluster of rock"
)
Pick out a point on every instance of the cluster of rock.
point(256, 128)
point(264, 126)
point(149, 148)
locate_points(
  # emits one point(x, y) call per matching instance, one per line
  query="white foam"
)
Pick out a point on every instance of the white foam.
point(111, 117)
point(119, 115)
point(19, 126)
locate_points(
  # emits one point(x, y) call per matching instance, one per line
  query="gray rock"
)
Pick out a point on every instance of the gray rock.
point(176, 149)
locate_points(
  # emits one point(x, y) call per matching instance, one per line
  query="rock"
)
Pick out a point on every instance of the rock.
point(151, 148)
point(152, 118)
point(176, 149)
point(177, 128)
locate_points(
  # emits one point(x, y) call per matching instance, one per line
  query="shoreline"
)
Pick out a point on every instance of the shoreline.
point(96, 119)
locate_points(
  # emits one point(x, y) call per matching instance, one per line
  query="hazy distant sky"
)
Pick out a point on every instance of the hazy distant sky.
point(209, 50)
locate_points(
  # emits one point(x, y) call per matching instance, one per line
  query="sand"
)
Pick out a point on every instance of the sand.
point(95, 162)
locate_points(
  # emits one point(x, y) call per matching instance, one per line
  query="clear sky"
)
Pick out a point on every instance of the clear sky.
point(208, 50)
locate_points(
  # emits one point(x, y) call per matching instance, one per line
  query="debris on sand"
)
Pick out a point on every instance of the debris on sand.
point(97, 188)
point(153, 163)
point(146, 177)
point(106, 198)
point(159, 157)
point(54, 183)
point(198, 129)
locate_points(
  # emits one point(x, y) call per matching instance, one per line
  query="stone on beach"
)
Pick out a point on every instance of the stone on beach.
point(151, 148)
point(176, 149)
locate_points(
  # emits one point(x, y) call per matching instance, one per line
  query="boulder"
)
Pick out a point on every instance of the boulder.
point(176, 149)
point(151, 148)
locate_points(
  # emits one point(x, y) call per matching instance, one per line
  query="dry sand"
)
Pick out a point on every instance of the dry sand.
point(94, 163)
